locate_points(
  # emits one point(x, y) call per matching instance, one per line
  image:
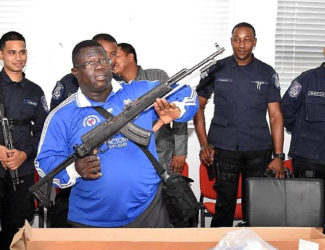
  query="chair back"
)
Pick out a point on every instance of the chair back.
point(288, 164)
point(185, 170)
point(206, 185)
point(207, 191)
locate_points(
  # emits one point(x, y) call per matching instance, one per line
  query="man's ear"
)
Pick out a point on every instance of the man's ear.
point(131, 57)
point(1, 56)
point(74, 71)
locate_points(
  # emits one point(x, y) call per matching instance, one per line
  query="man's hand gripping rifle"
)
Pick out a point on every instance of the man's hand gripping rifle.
point(96, 136)
point(8, 143)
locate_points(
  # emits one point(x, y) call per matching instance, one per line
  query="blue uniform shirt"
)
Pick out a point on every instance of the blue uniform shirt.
point(303, 107)
point(241, 97)
point(129, 182)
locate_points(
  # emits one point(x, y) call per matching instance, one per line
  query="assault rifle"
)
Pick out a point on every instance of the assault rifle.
point(8, 143)
point(96, 136)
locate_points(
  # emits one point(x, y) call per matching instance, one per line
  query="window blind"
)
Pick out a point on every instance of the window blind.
point(300, 37)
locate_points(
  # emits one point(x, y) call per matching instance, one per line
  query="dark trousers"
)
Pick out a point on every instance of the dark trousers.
point(228, 166)
point(15, 207)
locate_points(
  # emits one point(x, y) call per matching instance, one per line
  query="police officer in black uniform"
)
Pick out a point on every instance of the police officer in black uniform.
point(303, 107)
point(25, 107)
point(67, 86)
point(239, 139)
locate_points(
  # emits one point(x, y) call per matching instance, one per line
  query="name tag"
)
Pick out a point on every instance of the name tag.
point(224, 80)
point(316, 93)
point(30, 102)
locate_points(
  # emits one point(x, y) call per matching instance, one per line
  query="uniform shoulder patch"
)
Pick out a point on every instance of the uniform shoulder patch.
point(295, 89)
point(58, 91)
point(276, 81)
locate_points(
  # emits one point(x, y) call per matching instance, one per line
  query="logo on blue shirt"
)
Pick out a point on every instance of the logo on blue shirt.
point(90, 120)
point(126, 102)
point(116, 142)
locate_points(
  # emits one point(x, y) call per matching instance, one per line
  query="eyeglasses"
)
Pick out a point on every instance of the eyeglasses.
point(93, 64)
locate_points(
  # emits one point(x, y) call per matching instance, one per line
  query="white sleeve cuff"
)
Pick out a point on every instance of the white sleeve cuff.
point(181, 107)
point(72, 172)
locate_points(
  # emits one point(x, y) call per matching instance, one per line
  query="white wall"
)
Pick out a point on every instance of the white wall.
point(167, 34)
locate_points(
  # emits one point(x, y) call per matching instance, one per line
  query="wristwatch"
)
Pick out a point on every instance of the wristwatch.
point(281, 156)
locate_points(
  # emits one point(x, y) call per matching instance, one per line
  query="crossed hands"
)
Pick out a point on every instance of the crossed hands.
point(11, 158)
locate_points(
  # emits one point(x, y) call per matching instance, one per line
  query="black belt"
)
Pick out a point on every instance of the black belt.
point(18, 122)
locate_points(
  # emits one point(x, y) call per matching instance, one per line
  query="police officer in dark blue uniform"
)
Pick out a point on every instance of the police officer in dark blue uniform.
point(239, 139)
point(67, 86)
point(303, 107)
point(25, 107)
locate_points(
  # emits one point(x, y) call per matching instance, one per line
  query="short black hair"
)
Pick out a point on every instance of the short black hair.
point(11, 36)
point(128, 49)
point(243, 24)
point(81, 45)
point(105, 37)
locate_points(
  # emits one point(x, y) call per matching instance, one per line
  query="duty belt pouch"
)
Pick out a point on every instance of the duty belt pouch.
point(182, 205)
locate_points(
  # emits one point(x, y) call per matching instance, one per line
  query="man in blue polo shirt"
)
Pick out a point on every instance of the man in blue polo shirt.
point(67, 86)
point(117, 185)
point(239, 139)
